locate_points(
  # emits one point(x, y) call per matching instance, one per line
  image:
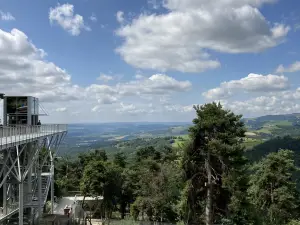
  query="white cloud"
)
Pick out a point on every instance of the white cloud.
point(120, 16)
point(105, 78)
point(179, 40)
point(93, 18)
point(64, 109)
point(295, 67)
point(64, 16)
point(133, 109)
point(6, 16)
point(251, 83)
point(24, 71)
point(180, 108)
point(297, 27)
point(96, 108)
point(155, 4)
point(139, 76)
point(107, 99)
point(265, 105)
point(192, 4)
point(157, 84)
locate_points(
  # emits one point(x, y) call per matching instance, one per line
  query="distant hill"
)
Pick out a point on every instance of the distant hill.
point(267, 127)
point(82, 137)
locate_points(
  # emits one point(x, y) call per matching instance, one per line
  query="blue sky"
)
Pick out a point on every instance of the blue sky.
point(151, 60)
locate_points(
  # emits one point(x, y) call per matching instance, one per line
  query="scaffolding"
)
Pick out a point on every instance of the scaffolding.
point(27, 170)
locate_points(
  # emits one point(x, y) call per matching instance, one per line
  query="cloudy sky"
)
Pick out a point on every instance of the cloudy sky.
point(151, 60)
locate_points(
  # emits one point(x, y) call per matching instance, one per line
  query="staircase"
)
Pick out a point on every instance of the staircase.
point(46, 179)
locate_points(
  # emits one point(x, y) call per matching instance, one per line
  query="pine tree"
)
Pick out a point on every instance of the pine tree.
point(214, 167)
point(273, 189)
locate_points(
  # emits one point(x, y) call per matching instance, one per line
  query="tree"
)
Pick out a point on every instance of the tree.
point(158, 187)
point(120, 159)
point(93, 179)
point(214, 166)
point(273, 188)
point(147, 152)
point(94, 155)
point(102, 179)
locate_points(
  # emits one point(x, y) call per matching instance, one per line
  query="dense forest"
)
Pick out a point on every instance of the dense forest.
point(208, 179)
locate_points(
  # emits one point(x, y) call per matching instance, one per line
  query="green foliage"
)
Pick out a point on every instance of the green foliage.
point(273, 189)
point(214, 167)
point(93, 179)
point(120, 159)
point(134, 210)
point(147, 152)
point(294, 222)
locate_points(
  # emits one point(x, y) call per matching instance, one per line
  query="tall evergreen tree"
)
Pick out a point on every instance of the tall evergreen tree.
point(273, 189)
point(215, 168)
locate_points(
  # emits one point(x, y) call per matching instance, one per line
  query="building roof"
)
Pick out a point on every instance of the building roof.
point(80, 198)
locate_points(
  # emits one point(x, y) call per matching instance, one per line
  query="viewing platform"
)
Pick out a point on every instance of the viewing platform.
point(11, 136)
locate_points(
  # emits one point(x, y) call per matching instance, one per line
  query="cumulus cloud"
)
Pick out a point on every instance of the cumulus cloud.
point(266, 105)
point(120, 16)
point(133, 109)
point(154, 4)
point(179, 39)
point(63, 109)
point(139, 76)
point(251, 83)
point(105, 78)
point(93, 18)
point(24, 71)
point(157, 84)
point(6, 16)
point(64, 16)
point(295, 67)
point(191, 4)
point(180, 108)
point(107, 99)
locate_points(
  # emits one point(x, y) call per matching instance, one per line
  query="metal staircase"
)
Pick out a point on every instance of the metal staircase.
point(45, 180)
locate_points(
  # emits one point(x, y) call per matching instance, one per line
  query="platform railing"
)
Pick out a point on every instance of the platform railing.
point(18, 132)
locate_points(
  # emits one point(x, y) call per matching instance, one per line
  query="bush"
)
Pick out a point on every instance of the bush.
point(134, 211)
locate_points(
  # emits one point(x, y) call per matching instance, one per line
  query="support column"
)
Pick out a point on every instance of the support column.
point(52, 186)
point(21, 203)
point(29, 185)
point(40, 191)
point(29, 175)
point(4, 183)
point(4, 194)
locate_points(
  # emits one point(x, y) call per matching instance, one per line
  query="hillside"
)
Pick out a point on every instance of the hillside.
point(82, 137)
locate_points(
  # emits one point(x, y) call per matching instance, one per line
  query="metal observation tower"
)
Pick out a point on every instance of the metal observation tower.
point(26, 160)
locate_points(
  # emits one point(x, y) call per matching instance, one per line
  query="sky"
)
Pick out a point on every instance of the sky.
point(151, 60)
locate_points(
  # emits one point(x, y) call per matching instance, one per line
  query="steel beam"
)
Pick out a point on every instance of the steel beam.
point(21, 203)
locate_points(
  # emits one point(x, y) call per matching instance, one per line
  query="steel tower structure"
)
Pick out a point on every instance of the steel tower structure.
point(27, 168)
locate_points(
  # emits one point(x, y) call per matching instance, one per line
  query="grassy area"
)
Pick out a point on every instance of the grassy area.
point(266, 130)
point(180, 140)
point(283, 123)
point(251, 142)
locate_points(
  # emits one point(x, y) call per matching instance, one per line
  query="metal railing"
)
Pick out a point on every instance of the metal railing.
point(21, 133)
